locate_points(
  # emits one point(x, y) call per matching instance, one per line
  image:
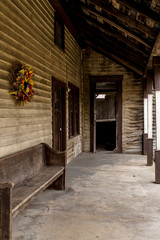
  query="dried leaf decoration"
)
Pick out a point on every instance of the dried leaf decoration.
point(21, 83)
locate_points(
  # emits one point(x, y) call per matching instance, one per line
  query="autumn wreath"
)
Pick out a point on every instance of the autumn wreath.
point(21, 83)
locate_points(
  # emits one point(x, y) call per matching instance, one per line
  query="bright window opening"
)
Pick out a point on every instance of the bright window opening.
point(101, 96)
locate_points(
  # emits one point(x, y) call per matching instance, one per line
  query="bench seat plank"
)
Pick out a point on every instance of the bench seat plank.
point(30, 187)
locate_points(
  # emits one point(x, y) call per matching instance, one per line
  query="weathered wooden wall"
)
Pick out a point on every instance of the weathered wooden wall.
point(132, 101)
point(73, 75)
point(27, 35)
point(86, 103)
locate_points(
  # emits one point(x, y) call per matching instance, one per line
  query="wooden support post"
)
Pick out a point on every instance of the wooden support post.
point(145, 134)
point(157, 167)
point(5, 211)
point(144, 140)
point(150, 120)
point(149, 152)
point(156, 64)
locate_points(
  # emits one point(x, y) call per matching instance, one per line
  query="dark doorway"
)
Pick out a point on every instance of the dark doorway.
point(106, 136)
point(59, 115)
point(106, 119)
point(106, 113)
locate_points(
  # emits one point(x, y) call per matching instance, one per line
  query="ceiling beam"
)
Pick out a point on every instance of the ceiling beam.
point(125, 60)
point(111, 33)
point(113, 50)
point(115, 58)
point(66, 19)
point(141, 8)
point(125, 18)
point(116, 53)
point(112, 45)
point(104, 18)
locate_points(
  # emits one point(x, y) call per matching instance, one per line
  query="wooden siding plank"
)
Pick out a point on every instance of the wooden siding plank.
point(24, 145)
point(27, 35)
point(32, 120)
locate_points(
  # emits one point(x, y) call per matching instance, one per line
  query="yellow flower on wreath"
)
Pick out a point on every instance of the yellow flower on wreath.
point(22, 84)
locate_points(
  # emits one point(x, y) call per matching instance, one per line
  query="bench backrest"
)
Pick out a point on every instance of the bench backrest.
point(18, 166)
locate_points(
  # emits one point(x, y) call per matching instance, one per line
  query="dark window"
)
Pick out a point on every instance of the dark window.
point(73, 110)
point(59, 31)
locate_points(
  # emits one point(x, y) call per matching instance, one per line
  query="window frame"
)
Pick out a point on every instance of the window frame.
point(59, 26)
point(73, 113)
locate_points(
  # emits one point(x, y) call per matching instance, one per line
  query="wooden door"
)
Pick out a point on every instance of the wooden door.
point(58, 116)
point(93, 90)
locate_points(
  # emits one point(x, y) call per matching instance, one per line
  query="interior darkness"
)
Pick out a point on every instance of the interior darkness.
point(106, 135)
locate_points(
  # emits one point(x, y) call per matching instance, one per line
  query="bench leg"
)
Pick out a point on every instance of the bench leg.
point(59, 183)
point(6, 211)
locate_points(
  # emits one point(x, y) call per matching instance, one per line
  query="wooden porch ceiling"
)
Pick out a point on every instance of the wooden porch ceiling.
point(122, 30)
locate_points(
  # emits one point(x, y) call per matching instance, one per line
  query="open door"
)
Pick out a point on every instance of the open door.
point(106, 121)
point(58, 115)
point(106, 113)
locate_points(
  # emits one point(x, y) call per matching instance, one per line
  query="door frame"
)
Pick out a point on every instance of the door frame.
point(106, 78)
point(62, 85)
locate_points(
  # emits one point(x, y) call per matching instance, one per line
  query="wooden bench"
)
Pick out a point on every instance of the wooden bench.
point(29, 172)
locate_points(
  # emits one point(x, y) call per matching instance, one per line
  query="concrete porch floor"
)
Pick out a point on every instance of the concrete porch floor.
point(107, 197)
